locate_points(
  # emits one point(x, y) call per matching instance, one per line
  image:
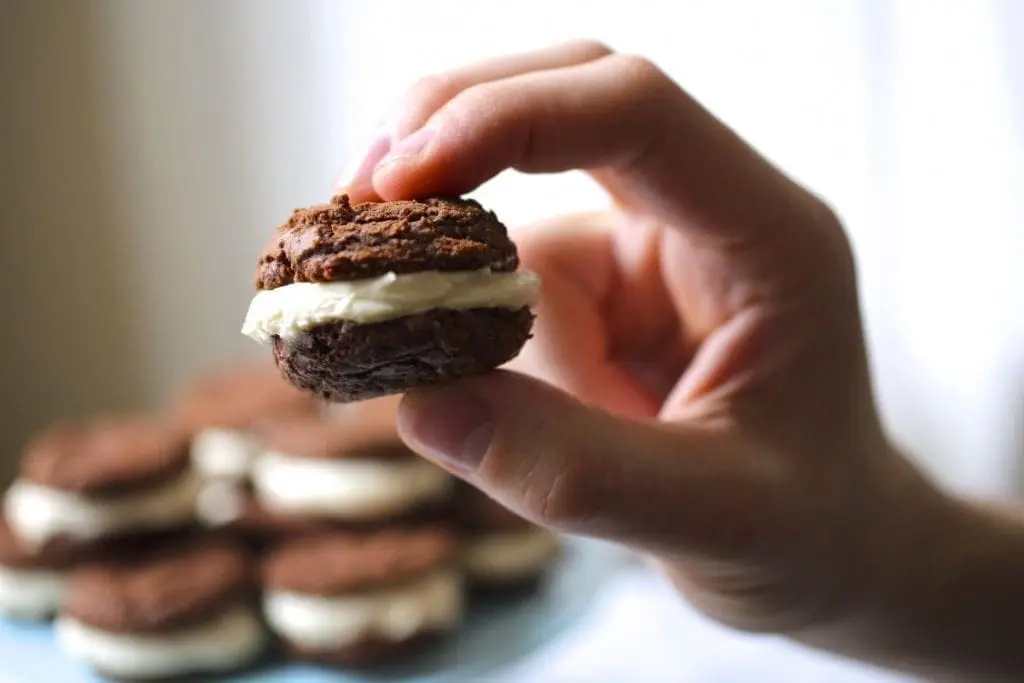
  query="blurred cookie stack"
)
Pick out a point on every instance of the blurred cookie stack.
point(180, 543)
point(366, 563)
point(85, 490)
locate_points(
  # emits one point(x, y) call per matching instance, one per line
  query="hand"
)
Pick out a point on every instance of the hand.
point(705, 393)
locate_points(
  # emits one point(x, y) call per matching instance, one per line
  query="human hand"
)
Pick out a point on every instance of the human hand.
point(705, 395)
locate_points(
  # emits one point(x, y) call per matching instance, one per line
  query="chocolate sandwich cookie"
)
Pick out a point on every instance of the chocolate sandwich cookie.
point(108, 477)
point(348, 468)
point(378, 298)
point(187, 608)
point(500, 550)
point(353, 600)
point(221, 409)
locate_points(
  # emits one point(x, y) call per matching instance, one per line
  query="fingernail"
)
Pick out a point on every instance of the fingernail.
point(359, 171)
point(409, 147)
point(451, 426)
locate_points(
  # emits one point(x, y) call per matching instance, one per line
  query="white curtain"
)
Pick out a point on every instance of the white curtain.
point(177, 134)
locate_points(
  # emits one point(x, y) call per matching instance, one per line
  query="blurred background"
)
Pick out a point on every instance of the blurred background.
point(149, 147)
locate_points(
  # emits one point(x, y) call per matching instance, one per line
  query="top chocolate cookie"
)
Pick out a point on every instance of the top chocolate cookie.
point(106, 455)
point(368, 431)
point(337, 241)
point(239, 397)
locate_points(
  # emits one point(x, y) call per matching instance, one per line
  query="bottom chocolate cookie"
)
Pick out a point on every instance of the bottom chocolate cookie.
point(347, 361)
point(368, 652)
point(513, 589)
point(229, 641)
point(242, 672)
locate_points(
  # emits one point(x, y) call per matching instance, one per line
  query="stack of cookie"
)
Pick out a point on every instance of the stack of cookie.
point(174, 545)
point(100, 486)
point(361, 559)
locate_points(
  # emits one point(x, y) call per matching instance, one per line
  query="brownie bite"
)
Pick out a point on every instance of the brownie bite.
point(378, 298)
point(354, 600)
point(94, 480)
point(186, 608)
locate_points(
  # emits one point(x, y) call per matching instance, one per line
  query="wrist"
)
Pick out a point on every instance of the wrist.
point(944, 598)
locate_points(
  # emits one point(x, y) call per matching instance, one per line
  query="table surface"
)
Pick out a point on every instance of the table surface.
point(640, 630)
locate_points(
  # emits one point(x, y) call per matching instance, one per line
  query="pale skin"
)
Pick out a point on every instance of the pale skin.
point(697, 388)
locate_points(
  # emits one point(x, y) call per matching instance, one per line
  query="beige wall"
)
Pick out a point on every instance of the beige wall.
point(144, 161)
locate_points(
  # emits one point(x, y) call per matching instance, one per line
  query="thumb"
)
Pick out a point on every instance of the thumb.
point(664, 488)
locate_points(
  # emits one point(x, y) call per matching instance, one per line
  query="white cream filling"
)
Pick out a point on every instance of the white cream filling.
point(318, 622)
point(347, 488)
point(292, 309)
point(38, 513)
point(224, 453)
point(31, 593)
point(509, 556)
point(220, 502)
point(228, 641)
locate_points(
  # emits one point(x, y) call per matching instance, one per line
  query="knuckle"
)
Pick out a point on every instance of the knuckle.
point(828, 226)
point(641, 72)
point(590, 49)
point(430, 92)
point(839, 239)
point(475, 104)
point(559, 492)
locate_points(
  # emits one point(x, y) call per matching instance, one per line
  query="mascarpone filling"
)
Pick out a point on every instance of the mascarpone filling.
point(290, 310)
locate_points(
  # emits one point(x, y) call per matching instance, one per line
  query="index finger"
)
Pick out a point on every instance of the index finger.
point(650, 144)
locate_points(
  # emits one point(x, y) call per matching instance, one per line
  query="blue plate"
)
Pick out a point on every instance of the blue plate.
point(498, 633)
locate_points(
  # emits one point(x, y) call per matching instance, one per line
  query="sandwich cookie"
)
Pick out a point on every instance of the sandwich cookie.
point(354, 600)
point(189, 608)
point(88, 481)
point(501, 550)
point(349, 470)
point(378, 298)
